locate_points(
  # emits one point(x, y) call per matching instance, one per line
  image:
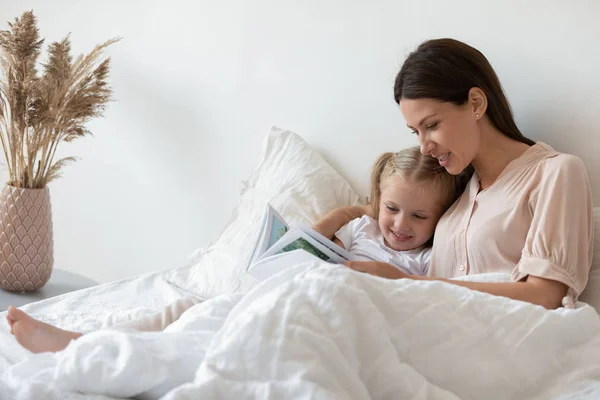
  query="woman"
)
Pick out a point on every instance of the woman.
point(527, 209)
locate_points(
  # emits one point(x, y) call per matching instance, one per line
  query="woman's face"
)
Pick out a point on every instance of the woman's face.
point(446, 131)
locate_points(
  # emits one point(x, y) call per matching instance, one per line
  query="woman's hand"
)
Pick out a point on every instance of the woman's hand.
point(377, 268)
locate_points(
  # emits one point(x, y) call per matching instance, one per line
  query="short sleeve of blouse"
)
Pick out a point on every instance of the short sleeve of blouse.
point(559, 243)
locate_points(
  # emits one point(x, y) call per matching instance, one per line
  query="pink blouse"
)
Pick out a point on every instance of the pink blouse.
point(535, 219)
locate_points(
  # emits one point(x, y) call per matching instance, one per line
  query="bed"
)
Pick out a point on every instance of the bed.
point(313, 331)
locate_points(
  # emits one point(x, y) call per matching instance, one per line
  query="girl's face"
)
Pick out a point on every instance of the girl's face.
point(408, 213)
point(446, 131)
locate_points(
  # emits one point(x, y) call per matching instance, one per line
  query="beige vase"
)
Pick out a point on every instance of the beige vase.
point(26, 240)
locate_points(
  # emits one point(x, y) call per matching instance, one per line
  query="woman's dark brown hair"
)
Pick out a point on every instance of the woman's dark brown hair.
point(446, 69)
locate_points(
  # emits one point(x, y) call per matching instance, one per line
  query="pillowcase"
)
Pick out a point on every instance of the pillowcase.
point(301, 186)
point(591, 293)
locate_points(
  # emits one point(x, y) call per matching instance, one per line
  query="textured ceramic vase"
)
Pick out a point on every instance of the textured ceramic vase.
point(26, 240)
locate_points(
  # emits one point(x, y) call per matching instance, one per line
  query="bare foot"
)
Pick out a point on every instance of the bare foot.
point(37, 336)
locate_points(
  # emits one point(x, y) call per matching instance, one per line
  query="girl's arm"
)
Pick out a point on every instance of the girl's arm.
point(334, 220)
point(532, 289)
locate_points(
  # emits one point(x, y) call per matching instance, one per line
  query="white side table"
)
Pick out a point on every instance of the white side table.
point(60, 282)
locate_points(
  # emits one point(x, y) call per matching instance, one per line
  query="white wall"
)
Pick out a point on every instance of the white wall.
point(198, 84)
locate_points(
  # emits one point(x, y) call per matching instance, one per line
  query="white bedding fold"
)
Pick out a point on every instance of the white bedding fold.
point(122, 362)
point(322, 331)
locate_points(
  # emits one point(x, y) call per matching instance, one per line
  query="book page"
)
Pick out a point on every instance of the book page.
point(297, 239)
point(340, 251)
point(272, 229)
point(278, 228)
point(269, 266)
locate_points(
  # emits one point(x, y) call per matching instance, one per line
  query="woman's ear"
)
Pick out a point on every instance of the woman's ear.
point(477, 101)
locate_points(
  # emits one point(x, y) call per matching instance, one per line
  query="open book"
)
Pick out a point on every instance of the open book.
point(276, 237)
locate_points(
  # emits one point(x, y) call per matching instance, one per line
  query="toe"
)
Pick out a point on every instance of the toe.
point(15, 314)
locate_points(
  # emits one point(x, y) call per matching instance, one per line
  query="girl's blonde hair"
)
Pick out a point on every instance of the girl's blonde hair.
point(418, 169)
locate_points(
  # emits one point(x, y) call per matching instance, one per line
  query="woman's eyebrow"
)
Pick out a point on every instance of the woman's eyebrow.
point(423, 120)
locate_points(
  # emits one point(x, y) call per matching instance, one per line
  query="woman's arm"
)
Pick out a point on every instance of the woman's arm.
point(334, 220)
point(535, 290)
point(543, 292)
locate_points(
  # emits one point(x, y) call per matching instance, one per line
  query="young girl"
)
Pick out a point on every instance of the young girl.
point(409, 194)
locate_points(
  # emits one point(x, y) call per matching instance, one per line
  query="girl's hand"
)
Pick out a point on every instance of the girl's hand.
point(377, 268)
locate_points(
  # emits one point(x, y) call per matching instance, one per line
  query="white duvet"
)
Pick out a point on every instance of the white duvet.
point(318, 331)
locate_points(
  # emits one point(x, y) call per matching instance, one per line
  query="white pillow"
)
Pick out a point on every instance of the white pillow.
point(591, 293)
point(291, 176)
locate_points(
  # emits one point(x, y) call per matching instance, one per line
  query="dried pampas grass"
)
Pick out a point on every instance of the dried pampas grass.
point(37, 112)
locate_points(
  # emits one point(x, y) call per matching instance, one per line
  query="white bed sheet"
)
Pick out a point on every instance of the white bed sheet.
point(322, 331)
point(96, 307)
